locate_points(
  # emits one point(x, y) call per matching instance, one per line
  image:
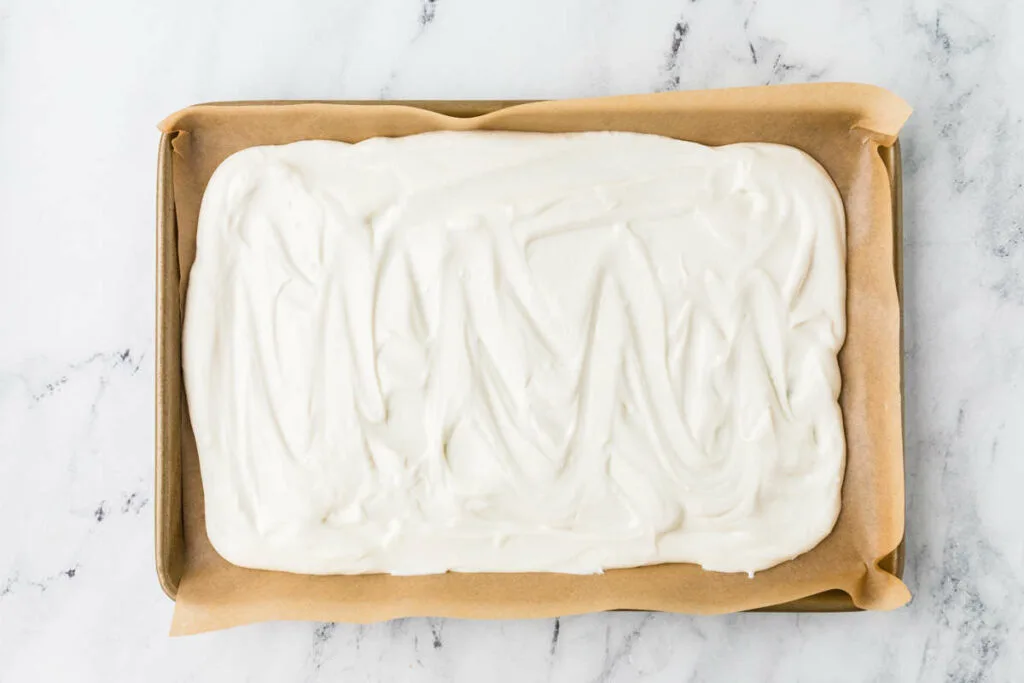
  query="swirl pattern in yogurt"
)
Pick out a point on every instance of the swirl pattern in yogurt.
point(513, 352)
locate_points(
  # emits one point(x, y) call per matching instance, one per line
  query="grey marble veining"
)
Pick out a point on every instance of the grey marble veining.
point(81, 88)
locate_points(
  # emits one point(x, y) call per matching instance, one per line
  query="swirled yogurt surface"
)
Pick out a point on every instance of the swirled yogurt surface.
point(513, 352)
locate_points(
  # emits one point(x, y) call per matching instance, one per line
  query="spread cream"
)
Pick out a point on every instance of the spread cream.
point(514, 352)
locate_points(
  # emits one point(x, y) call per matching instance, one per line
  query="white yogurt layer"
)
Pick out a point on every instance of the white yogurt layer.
point(517, 352)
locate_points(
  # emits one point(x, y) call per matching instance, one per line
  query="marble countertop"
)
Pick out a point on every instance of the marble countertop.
point(82, 86)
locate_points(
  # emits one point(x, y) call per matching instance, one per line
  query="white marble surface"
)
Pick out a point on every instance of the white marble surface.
point(82, 86)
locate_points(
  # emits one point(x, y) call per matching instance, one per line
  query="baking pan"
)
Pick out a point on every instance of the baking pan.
point(170, 402)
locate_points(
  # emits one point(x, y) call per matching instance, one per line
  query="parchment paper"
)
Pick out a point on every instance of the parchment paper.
point(840, 125)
